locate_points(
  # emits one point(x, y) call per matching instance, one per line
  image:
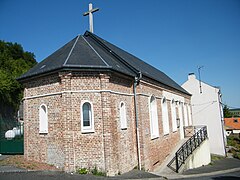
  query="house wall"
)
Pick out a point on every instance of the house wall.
point(123, 140)
point(206, 111)
point(43, 147)
point(200, 157)
point(109, 148)
point(154, 151)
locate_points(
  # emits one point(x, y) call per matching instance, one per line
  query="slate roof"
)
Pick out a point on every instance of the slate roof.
point(89, 51)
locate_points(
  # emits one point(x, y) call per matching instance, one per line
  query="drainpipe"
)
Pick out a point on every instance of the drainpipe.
point(136, 82)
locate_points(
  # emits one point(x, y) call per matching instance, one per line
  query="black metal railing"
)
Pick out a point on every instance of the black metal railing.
point(188, 147)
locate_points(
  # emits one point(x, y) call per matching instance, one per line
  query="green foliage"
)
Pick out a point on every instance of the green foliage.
point(82, 171)
point(234, 141)
point(226, 112)
point(93, 171)
point(14, 61)
point(96, 172)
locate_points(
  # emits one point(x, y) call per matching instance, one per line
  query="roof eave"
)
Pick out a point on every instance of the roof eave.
point(71, 68)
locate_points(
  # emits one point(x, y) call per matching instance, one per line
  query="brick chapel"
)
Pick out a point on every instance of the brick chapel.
point(92, 104)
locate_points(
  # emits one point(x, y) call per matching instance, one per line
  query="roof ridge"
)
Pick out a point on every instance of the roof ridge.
point(71, 50)
point(95, 51)
point(135, 70)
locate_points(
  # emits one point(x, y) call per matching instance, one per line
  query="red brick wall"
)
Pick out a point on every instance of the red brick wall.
point(109, 148)
point(154, 151)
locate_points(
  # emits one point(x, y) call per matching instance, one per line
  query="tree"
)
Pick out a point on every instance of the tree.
point(14, 61)
point(226, 112)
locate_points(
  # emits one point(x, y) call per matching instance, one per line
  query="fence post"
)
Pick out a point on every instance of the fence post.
point(177, 164)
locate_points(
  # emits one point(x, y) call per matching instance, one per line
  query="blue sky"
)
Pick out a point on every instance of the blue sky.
point(175, 36)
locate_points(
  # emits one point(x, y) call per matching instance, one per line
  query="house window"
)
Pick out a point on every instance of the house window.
point(174, 116)
point(185, 115)
point(153, 118)
point(165, 116)
point(87, 120)
point(189, 115)
point(123, 118)
point(235, 120)
point(43, 119)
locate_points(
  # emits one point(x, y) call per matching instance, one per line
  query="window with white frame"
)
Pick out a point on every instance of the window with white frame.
point(189, 114)
point(123, 117)
point(87, 118)
point(165, 116)
point(153, 118)
point(43, 119)
point(174, 116)
point(185, 114)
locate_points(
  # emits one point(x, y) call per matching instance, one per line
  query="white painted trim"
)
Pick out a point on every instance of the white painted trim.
point(42, 95)
point(42, 128)
point(174, 115)
point(90, 91)
point(153, 116)
point(170, 96)
point(89, 129)
point(80, 91)
point(123, 117)
point(165, 118)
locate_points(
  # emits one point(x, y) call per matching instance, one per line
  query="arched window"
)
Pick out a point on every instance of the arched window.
point(189, 115)
point(87, 120)
point(153, 118)
point(185, 114)
point(165, 116)
point(43, 119)
point(174, 116)
point(180, 104)
point(123, 118)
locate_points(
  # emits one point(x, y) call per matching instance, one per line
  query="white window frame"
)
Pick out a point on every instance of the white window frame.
point(189, 114)
point(43, 119)
point(153, 115)
point(165, 118)
point(123, 115)
point(174, 115)
point(185, 114)
point(90, 128)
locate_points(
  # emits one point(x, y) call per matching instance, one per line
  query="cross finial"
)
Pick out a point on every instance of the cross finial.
point(90, 13)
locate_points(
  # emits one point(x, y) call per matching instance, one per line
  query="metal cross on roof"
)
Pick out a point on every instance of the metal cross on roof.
point(90, 13)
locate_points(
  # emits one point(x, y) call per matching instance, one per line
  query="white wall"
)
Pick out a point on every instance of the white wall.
point(206, 111)
point(201, 156)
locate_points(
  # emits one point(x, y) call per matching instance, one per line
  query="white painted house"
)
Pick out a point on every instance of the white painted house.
point(207, 110)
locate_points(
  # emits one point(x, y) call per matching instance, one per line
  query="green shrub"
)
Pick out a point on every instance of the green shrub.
point(236, 155)
point(96, 172)
point(82, 171)
point(93, 171)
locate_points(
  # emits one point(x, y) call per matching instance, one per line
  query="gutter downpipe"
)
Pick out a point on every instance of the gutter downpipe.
point(136, 82)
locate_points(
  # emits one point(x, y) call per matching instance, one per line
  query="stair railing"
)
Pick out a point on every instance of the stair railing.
point(188, 147)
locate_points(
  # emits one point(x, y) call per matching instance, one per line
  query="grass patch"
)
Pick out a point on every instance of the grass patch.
point(215, 158)
point(20, 162)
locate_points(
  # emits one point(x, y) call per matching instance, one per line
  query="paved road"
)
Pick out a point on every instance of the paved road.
point(224, 176)
point(219, 165)
point(65, 176)
point(225, 169)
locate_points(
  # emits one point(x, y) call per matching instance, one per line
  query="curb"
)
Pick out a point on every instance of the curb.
point(201, 174)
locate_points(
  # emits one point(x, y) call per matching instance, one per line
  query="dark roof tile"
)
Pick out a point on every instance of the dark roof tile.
point(90, 51)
